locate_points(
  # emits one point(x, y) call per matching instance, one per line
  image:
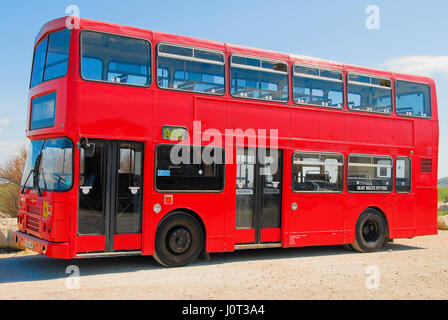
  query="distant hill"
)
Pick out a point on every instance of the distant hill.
point(443, 182)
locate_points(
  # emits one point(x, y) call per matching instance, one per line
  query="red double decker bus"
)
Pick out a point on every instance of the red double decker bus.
point(147, 143)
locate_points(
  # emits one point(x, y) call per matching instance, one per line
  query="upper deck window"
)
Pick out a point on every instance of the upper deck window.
point(318, 87)
point(51, 57)
point(259, 78)
point(367, 93)
point(117, 59)
point(412, 99)
point(190, 69)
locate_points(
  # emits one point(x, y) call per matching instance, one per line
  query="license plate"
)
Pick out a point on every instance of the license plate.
point(29, 244)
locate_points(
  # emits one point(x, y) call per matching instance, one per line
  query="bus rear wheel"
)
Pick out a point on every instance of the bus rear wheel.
point(179, 240)
point(370, 231)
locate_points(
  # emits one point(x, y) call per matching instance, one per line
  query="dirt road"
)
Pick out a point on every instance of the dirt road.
point(407, 269)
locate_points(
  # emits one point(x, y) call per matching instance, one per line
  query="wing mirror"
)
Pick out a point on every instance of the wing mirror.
point(89, 148)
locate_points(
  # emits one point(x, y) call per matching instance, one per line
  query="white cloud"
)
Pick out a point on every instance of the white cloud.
point(419, 65)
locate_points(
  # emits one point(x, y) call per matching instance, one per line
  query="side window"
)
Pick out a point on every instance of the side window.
point(367, 173)
point(258, 79)
point(403, 174)
point(366, 93)
point(190, 69)
point(318, 87)
point(128, 60)
point(412, 99)
point(186, 168)
point(317, 172)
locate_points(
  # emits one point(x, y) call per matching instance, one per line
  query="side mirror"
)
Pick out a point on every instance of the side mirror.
point(89, 148)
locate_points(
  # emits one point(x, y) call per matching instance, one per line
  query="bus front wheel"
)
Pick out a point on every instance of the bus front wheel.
point(179, 240)
point(370, 231)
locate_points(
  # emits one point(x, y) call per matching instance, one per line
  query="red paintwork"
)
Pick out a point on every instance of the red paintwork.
point(111, 111)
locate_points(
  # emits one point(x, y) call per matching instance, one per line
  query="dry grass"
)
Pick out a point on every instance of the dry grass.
point(12, 171)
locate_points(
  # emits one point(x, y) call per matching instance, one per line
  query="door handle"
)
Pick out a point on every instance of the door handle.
point(134, 190)
point(85, 189)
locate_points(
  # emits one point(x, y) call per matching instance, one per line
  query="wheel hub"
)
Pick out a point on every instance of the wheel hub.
point(370, 231)
point(179, 240)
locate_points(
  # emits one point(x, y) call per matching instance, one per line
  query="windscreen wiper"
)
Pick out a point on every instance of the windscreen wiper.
point(26, 181)
point(36, 174)
point(36, 170)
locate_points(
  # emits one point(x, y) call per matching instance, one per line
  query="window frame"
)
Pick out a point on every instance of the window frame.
point(107, 66)
point(392, 177)
point(410, 175)
point(47, 37)
point(319, 153)
point(429, 97)
point(193, 59)
point(189, 191)
point(391, 88)
point(293, 74)
point(261, 69)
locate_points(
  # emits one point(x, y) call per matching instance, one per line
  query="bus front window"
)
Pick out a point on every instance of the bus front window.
point(55, 167)
point(51, 57)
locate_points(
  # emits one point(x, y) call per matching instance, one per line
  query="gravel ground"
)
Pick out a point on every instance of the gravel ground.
point(406, 269)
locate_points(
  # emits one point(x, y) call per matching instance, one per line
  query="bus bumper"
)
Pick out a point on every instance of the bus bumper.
point(59, 250)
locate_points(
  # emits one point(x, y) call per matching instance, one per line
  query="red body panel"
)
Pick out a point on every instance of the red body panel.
point(111, 111)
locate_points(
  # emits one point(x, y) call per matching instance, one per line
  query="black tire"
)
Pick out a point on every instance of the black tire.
point(179, 240)
point(371, 231)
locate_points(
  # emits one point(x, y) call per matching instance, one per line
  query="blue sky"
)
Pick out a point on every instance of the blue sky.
point(411, 38)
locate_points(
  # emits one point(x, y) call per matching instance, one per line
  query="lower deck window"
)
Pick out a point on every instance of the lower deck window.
point(189, 168)
point(316, 172)
point(369, 173)
point(403, 175)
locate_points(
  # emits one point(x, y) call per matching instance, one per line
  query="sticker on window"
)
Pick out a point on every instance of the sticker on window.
point(163, 173)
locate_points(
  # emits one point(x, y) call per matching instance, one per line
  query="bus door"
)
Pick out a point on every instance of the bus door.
point(110, 197)
point(317, 207)
point(258, 196)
